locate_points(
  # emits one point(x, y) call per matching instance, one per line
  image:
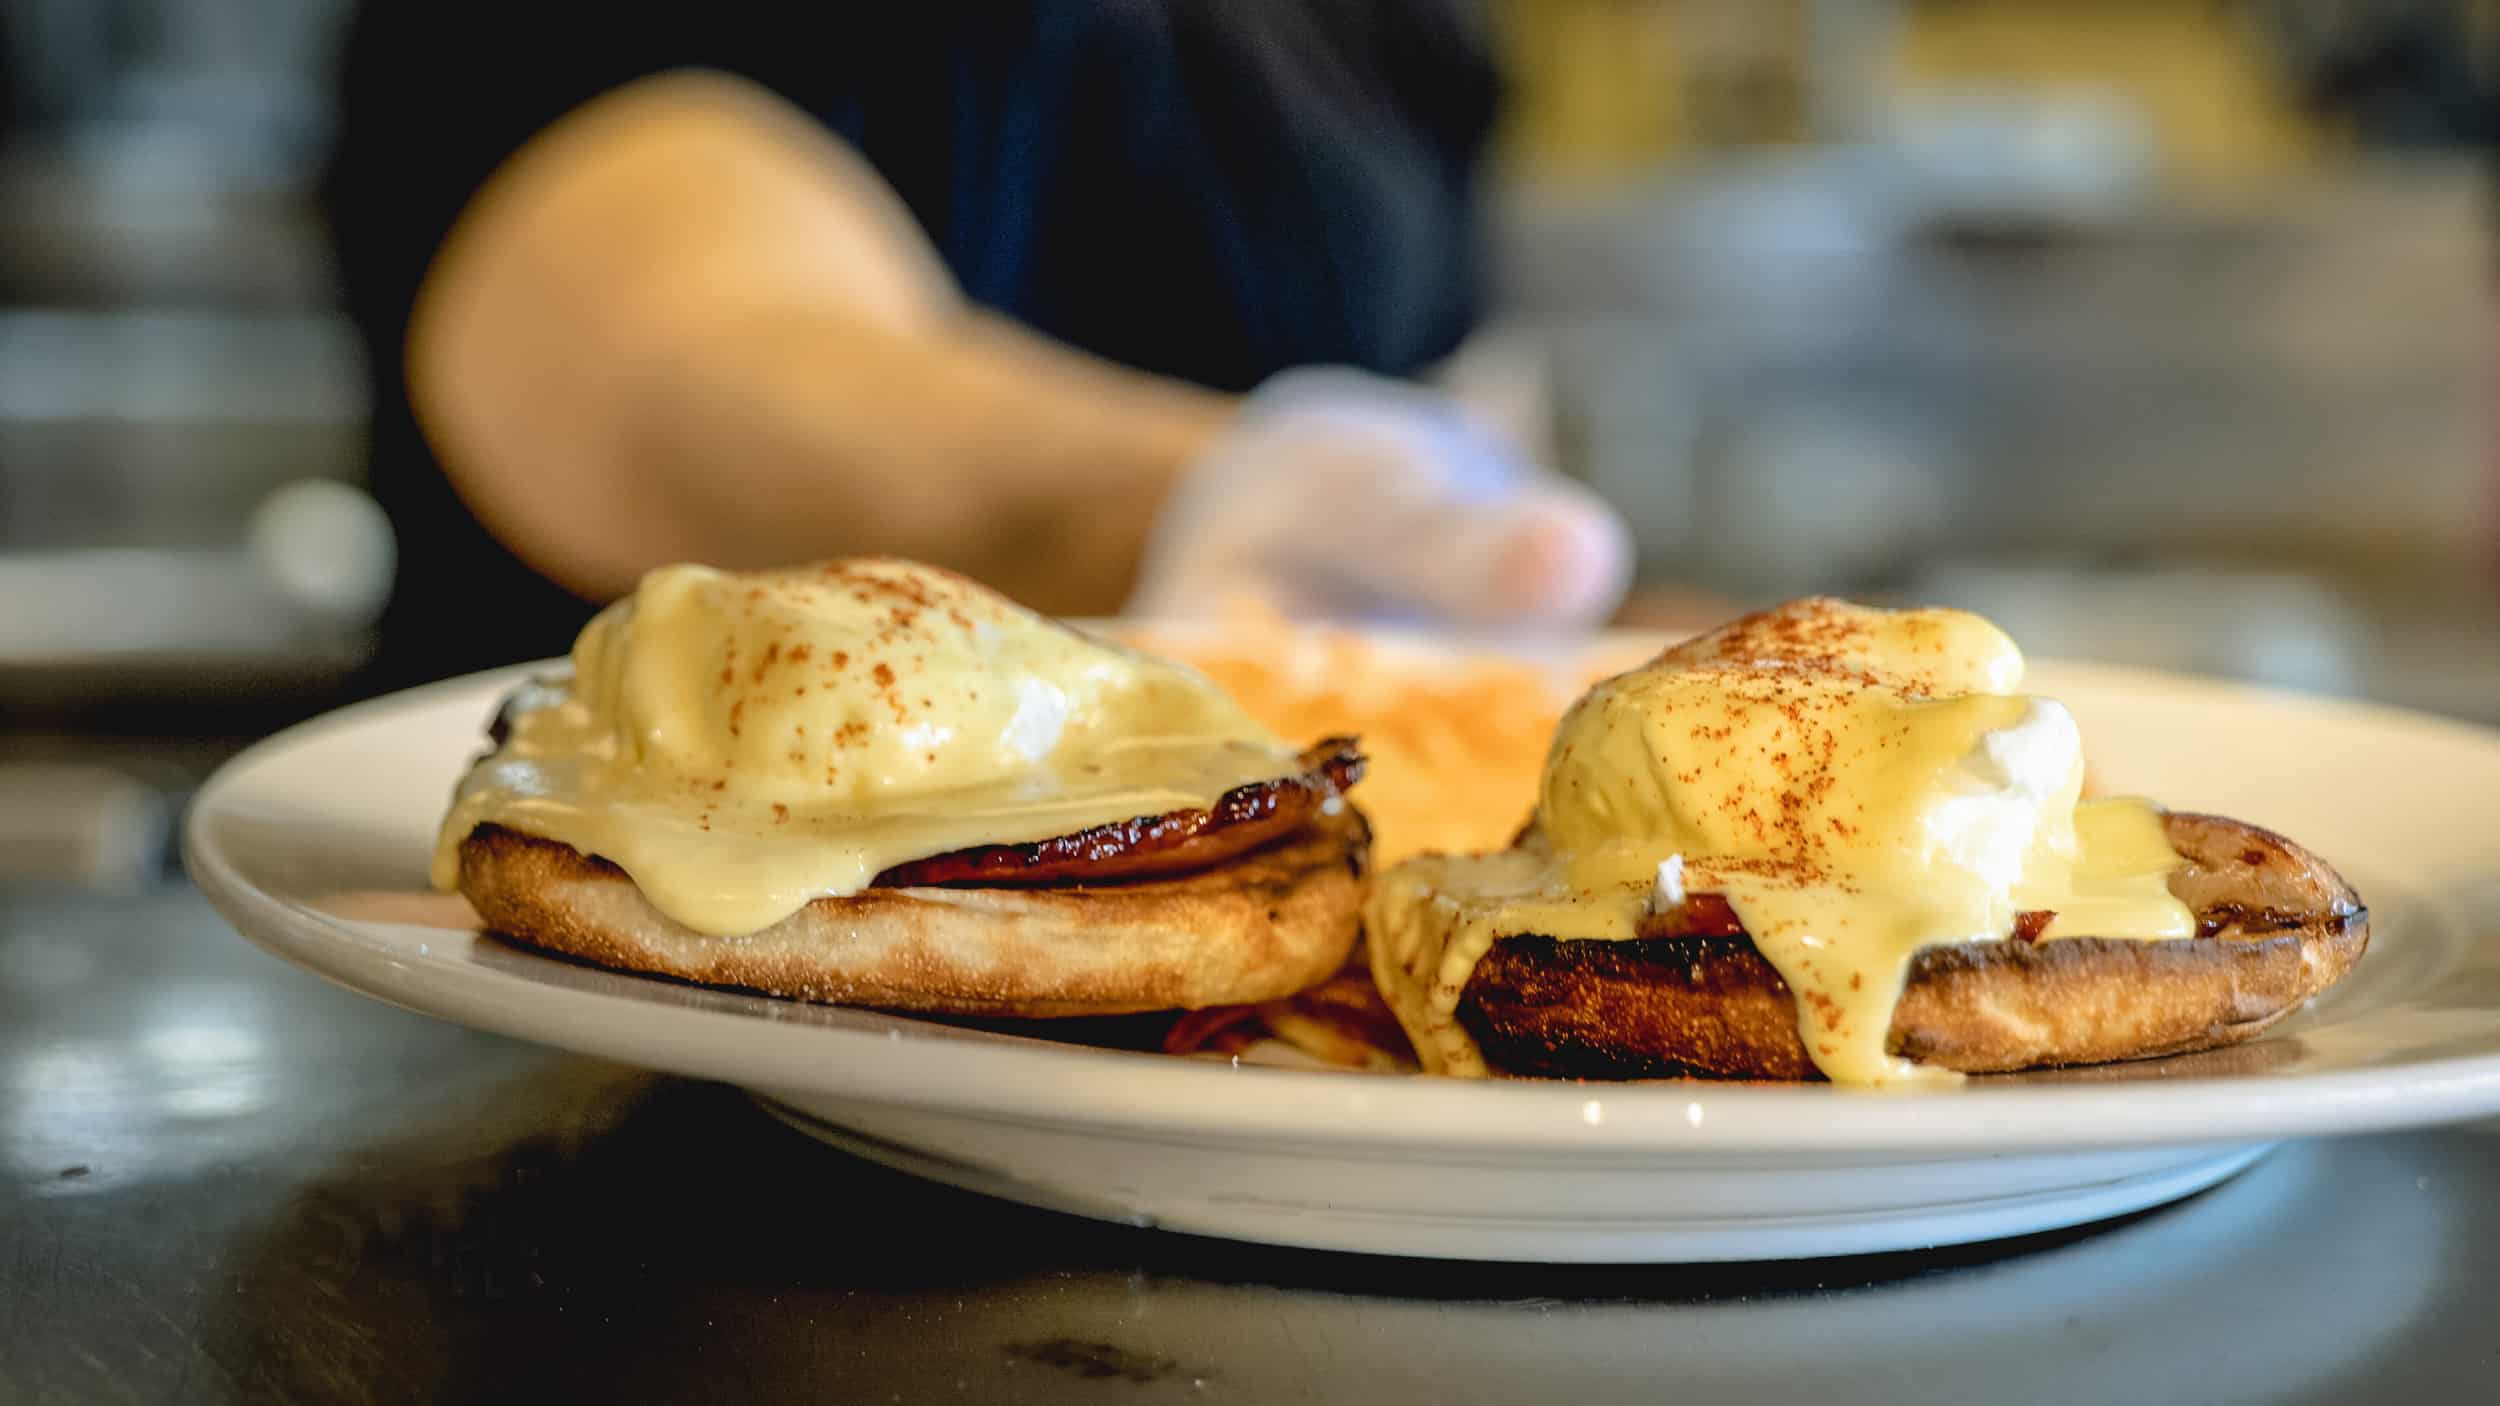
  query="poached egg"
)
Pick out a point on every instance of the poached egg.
point(742, 744)
point(1857, 784)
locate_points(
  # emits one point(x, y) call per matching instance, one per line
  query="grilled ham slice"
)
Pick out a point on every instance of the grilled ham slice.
point(1180, 842)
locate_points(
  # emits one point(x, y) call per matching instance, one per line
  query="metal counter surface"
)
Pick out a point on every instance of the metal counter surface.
point(222, 1180)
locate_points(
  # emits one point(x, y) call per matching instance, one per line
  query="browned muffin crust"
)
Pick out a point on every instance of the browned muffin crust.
point(1253, 928)
point(2276, 927)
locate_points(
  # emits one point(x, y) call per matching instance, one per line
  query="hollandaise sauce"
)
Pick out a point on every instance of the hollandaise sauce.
point(1857, 784)
point(742, 744)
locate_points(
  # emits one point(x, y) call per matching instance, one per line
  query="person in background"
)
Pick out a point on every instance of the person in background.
point(1100, 303)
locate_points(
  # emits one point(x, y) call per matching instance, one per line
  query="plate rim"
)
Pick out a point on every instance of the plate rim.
point(1030, 1081)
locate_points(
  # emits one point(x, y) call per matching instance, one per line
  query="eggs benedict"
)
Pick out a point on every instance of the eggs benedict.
point(875, 782)
point(1832, 841)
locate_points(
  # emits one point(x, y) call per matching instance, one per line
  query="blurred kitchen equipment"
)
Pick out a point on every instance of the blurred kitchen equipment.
point(170, 371)
point(78, 825)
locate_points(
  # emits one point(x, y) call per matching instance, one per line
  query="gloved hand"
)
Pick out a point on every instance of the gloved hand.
point(1339, 493)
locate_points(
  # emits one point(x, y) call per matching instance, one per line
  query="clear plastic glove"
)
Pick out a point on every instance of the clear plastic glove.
point(1339, 493)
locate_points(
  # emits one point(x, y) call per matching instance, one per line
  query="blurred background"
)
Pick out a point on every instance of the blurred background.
point(2156, 329)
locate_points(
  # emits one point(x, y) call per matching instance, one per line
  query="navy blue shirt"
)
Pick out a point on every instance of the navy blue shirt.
point(1211, 189)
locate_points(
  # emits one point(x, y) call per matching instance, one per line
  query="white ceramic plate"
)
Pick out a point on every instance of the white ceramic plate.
point(315, 842)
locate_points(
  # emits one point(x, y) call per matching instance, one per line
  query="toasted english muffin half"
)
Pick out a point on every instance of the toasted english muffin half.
point(2275, 924)
point(1253, 927)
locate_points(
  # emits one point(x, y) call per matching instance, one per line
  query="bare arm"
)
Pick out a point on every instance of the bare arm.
point(685, 323)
